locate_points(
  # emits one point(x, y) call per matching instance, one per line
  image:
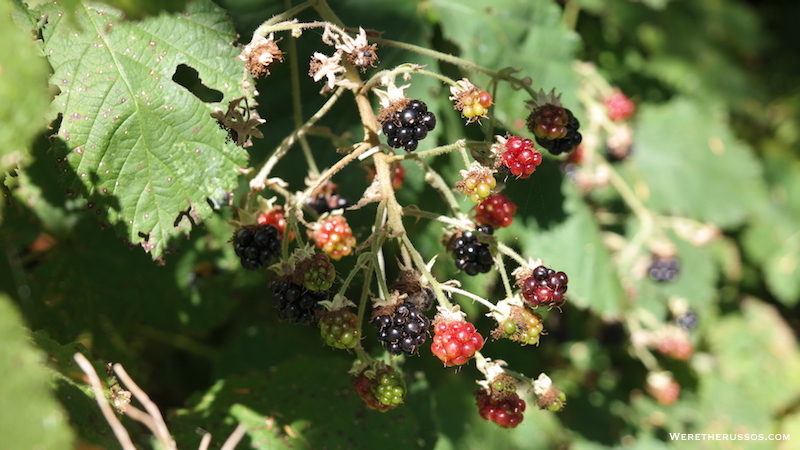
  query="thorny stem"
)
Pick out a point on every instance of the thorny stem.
point(286, 15)
point(437, 182)
point(378, 78)
point(501, 267)
point(258, 182)
point(160, 428)
point(432, 152)
point(460, 62)
point(420, 263)
point(468, 294)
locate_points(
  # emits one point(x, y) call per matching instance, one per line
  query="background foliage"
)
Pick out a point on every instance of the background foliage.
point(126, 166)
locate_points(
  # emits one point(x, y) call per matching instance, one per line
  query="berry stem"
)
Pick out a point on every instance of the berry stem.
point(264, 28)
point(259, 181)
point(405, 68)
point(420, 263)
point(477, 298)
point(297, 107)
point(437, 182)
point(501, 267)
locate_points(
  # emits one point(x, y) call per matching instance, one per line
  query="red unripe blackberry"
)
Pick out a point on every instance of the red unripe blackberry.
point(619, 106)
point(455, 342)
point(335, 237)
point(277, 218)
point(520, 158)
point(472, 256)
point(566, 143)
point(496, 210)
point(548, 122)
point(505, 411)
point(545, 287)
point(256, 245)
point(295, 303)
point(402, 328)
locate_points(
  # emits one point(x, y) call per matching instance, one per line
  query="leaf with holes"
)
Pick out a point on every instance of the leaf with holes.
point(140, 147)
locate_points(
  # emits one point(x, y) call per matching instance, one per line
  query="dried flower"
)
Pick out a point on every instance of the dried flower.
point(260, 53)
point(328, 67)
point(233, 121)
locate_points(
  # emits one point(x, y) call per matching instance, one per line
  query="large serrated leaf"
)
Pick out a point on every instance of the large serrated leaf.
point(139, 145)
point(29, 415)
point(693, 166)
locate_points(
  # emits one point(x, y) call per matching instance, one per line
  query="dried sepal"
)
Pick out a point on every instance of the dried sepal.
point(328, 67)
point(233, 121)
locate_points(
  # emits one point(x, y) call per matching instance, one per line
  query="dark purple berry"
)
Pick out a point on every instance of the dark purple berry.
point(403, 329)
point(472, 256)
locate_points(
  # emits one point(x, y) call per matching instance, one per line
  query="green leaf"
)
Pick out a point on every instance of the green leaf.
point(29, 415)
point(691, 165)
point(23, 75)
point(138, 145)
point(301, 403)
point(749, 348)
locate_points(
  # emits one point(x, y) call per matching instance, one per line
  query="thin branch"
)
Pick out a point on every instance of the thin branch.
point(160, 428)
point(116, 426)
point(234, 438)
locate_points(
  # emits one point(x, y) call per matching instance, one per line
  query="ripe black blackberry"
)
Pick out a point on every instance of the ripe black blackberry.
point(402, 328)
point(688, 320)
point(409, 126)
point(296, 303)
point(568, 142)
point(472, 255)
point(663, 269)
point(256, 245)
point(323, 204)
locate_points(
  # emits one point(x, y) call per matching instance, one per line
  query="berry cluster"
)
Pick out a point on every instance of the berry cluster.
point(365, 388)
point(545, 287)
point(472, 255)
point(526, 327)
point(688, 320)
point(295, 303)
point(339, 328)
point(505, 410)
point(335, 237)
point(663, 269)
point(401, 329)
point(555, 128)
point(409, 126)
point(476, 104)
point(548, 121)
point(455, 342)
point(520, 158)
point(478, 185)
point(619, 106)
point(256, 245)
point(497, 211)
point(318, 272)
point(389, 388)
